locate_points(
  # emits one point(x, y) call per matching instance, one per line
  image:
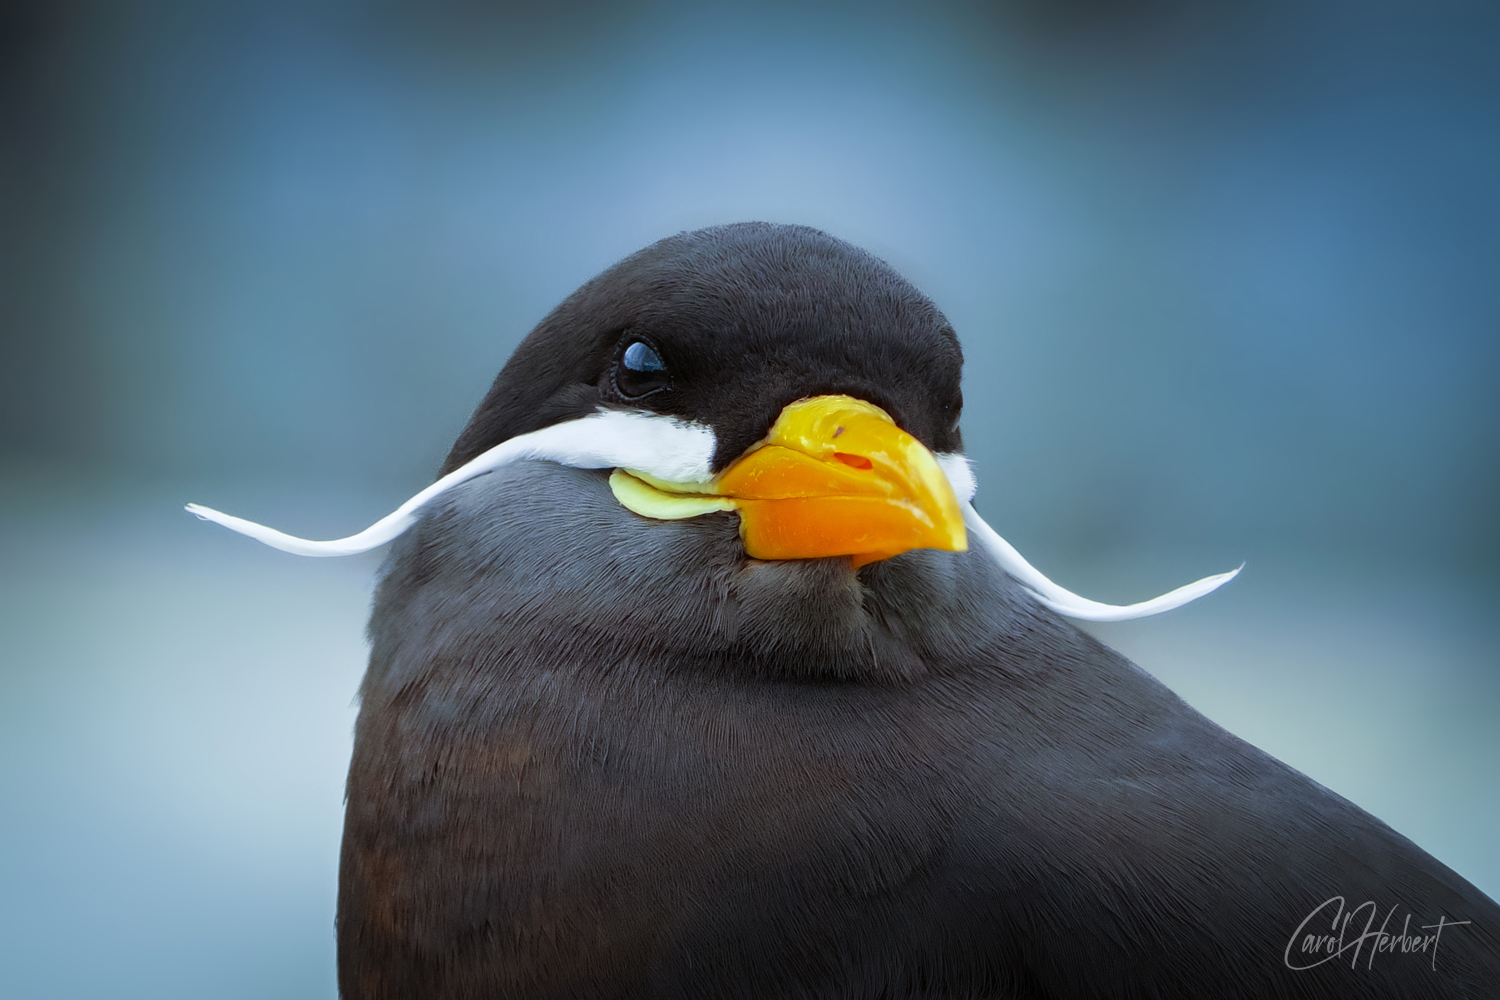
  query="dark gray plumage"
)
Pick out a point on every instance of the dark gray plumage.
point(602, 756)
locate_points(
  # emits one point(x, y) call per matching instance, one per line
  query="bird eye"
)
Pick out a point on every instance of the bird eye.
point(640, 371)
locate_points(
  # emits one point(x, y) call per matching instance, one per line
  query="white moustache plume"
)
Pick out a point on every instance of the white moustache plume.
point(680, 451)
point(666, 447)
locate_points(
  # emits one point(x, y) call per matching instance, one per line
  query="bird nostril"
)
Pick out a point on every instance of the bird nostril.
point(854, 461)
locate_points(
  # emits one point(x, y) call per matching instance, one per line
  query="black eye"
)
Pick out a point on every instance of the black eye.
point(640, 371)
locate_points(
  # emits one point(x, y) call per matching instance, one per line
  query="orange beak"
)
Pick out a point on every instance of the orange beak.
point(835, 477)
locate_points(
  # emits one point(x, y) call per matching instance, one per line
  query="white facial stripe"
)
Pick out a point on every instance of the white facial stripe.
point(668, 448)
point(679, 451)
point(1068, 603)
point(960, 473)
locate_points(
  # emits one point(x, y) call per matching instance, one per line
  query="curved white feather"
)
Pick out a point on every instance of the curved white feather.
point(1068, 603)
point(680, 451)
point(668, 448)
point(960, 473)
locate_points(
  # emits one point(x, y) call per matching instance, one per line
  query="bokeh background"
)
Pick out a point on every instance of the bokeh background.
point(1227, 276)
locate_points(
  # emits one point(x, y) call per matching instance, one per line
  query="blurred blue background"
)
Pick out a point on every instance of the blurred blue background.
point(1227, 277)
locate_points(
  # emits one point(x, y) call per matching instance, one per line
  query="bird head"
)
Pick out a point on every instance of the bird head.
point(754, 426)
point(780, 374)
